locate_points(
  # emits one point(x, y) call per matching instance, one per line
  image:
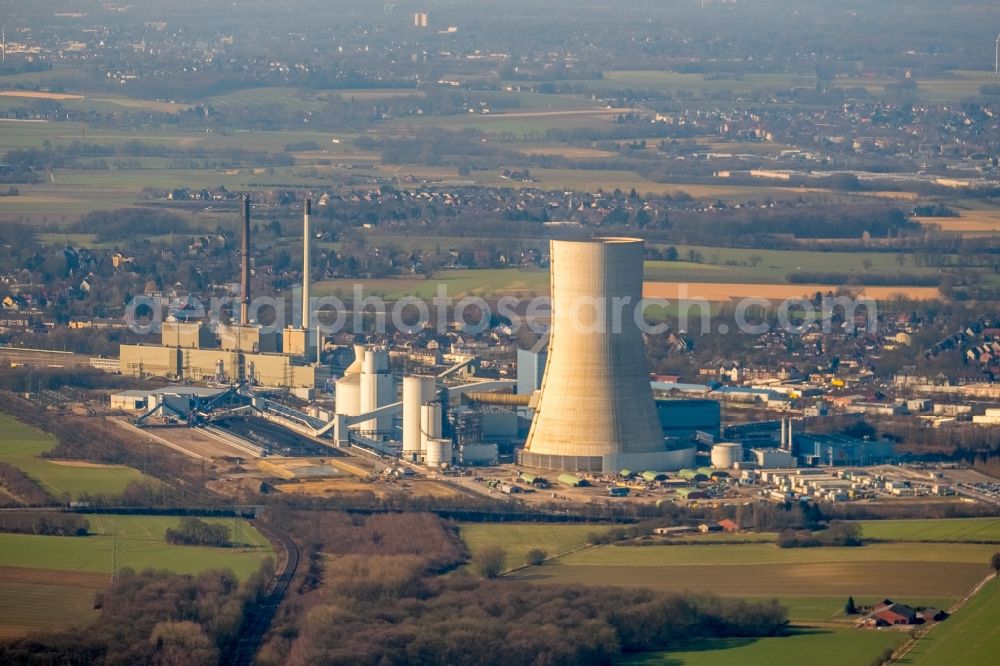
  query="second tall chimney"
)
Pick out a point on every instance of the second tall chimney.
point(245, 265)
point(306, 242)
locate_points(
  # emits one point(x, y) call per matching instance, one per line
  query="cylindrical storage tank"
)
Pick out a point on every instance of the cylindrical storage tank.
point(438, 453)
point(348, 396)
point(725, 455)
point(417, 390)
point(430, 423)
point(376, 360)
point(378, 388)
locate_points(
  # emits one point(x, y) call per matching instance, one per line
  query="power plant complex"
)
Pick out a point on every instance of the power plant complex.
point(585, 404)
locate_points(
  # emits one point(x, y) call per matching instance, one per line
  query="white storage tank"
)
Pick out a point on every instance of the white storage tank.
point(438, 453)
point(378, 388)
point(417, 391)
point(348, 395)
point(725, 455)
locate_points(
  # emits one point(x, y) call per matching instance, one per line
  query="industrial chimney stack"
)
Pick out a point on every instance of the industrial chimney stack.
point(306, 242)
point(245, 265)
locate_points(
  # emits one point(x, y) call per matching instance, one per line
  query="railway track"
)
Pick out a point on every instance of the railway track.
point(254, 630)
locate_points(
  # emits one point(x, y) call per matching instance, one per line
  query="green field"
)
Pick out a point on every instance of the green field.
point(813, 582)
point(818, 648)
point(152, 528)
point(49, 582)
point(457, 283)
point(771, 269)
point(951, 529)
point(140, 545)
point(21, 446)
point(961, 85)
point(748, 554)
point(518, 538)
point(29, 607)
point(970, 637)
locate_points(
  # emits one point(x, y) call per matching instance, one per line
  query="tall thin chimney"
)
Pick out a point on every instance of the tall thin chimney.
point(245, 265)
point(306, 242)
point(790, 444)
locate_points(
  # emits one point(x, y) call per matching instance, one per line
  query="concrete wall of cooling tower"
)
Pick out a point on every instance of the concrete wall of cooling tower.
point(595, 398)
point(417, 390)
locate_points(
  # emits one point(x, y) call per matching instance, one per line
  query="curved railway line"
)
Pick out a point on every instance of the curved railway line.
point(254, 629)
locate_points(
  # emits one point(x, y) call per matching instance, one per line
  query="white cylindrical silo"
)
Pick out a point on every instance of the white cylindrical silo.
point(378, 388)
point(348, 395)
point(438, 453)
point(430, 423)
point(417, 390)
point(725, 455)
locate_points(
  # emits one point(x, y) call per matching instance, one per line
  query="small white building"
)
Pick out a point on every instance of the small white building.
point(130, 401)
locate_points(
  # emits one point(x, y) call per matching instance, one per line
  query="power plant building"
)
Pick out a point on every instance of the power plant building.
point(367, 384)
point(596, 410)
point(684, 417)
point(237, 351)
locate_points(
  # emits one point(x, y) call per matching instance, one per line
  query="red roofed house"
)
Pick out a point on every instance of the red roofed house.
point(887, 614)
point(728, 525)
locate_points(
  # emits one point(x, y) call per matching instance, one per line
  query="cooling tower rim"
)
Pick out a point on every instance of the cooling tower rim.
point(602, 240)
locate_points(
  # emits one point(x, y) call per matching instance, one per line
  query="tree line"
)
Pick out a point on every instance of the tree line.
point(48, 524)
point(377, 600)
point(153, 617)
point(17, 489)
point(193, 532)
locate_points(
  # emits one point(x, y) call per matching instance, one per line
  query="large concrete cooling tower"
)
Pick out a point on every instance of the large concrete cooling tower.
point(596, 410)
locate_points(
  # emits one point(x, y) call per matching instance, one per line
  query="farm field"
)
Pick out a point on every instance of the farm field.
point(963, 85)
point(528, 282)
point(519, 122)
point(518, 538)
point(15, 134)
point(973, 222)
point(951, 529)
point(816, 647)
point(140, 544)
point(727, 291)
point(814, 582)
point(49, 582)
point(970, 637)
point(21, 446)
point(457, 283)
point(719, 265)
point(41, 605)
point(767, 554)
point(152, 528)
